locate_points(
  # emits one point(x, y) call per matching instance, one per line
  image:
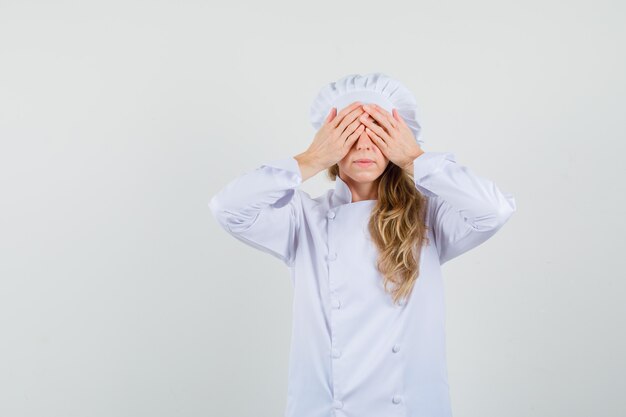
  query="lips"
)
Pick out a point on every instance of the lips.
point(363, 160)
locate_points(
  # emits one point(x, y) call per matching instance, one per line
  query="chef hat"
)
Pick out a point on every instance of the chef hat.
point(375, 88)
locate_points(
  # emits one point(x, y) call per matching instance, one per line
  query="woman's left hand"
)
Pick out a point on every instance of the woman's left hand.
point(391, 134)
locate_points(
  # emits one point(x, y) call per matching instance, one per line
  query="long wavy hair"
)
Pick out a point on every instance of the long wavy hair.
point(398, 228)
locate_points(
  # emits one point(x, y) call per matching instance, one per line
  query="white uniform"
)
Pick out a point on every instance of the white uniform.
point(353, 352)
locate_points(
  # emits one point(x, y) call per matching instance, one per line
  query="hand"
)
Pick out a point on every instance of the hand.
point(391, 134)
point(336, 136)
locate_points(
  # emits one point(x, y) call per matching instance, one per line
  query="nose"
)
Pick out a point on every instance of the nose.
point(364, 141)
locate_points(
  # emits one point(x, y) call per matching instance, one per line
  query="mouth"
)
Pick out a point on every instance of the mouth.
point(364, 163)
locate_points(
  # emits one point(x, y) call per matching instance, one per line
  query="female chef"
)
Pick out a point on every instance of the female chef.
point(365, 258)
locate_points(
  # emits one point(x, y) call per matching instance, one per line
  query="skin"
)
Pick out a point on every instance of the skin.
point(362, 180)
point(360, 131)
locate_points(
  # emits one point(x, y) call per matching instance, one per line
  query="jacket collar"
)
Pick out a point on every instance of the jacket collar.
point(341, 194)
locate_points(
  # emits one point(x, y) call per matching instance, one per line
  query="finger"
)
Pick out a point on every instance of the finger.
point(349, 119)
point(378, 141)
point(354, 136)
point(382, 116)
point(345, 111)
point(397, 116)
point(386, 114)
point(369, 123)
point(330, 115)
point(351, 128)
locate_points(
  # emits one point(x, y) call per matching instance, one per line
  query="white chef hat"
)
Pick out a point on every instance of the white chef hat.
point(375, 88)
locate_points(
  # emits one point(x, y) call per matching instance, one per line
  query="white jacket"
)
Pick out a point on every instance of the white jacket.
point(353, 352)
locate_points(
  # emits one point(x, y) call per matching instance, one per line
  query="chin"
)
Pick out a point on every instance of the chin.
point(363, 175)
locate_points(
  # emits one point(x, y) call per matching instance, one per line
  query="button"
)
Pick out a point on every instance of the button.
point(396, 399)
point(331, 214)
point(401, 302)
point(396, 348)
point(336, 303)
point(336, 353)
point(332, 256)
point(338, 404)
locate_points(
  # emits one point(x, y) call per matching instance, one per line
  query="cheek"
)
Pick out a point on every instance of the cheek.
point(343, 164)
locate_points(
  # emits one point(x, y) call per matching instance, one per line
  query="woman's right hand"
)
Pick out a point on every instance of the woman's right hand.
point(336, 136)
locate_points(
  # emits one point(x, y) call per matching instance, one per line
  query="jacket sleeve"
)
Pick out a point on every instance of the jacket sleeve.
point(262, 208)
point(464, 209)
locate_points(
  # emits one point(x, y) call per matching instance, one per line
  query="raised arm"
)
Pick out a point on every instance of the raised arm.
point(465, 209)
point(262, 208)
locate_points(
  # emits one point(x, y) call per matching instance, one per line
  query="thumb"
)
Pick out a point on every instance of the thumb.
point(397, 116)
point(330, 115)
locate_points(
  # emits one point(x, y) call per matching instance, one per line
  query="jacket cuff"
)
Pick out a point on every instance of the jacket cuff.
point(429, 163)
point(287, 164)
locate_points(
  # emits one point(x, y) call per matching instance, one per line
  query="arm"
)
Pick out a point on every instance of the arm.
point(464, 209)
point(262, 208)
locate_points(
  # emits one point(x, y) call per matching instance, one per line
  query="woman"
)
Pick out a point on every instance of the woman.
point(365, 258)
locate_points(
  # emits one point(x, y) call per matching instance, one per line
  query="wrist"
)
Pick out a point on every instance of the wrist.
point(309, 165)
point(409, 165)
point(310, 159)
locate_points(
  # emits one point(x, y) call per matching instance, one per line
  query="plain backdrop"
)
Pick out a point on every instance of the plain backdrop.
point(121, 296)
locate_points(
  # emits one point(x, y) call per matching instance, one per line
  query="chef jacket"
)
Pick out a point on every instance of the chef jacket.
point(353, 352)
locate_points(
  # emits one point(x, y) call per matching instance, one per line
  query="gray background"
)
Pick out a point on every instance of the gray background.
point(121, 296)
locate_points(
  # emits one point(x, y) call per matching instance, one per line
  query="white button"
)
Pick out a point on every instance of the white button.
point(401, 302)
point(336, 303)
point(337, 404)
point(396, 399)
point(336, 353)
point(332, 256)
point(331, 214)
point(396, 348)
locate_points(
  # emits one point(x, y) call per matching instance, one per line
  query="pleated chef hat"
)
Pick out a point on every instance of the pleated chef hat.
point(375, 88)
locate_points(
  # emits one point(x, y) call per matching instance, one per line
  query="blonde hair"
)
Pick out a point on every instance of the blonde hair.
point(398, 228)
